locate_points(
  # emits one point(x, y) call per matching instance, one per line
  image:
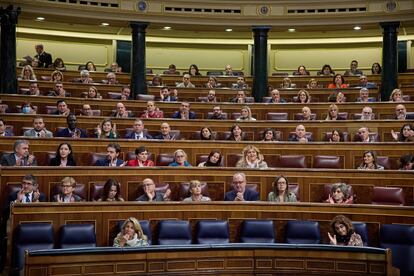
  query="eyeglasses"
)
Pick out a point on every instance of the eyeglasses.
point(66, 186)
point(27, 183)
point(179, 156)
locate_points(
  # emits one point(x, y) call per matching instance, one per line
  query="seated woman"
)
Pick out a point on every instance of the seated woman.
point(280, 191)
point(64, 156)
point(28, 108)
point(343, 232)
point(396, 96)
point(180, 159)
point(338, 82)
point(406, 134)
point(312, 84)
point(213, 160)
point(336, 136)
point(68, 185)
point(56, 76)
point(246, 114)
point(251, 159)
point(206, 134)
point(326, 71)
point(195, 190)
point(287, 83)
point(303, 97)
point(131, 235)
point(93, 93)
point(337, 97)
point(193, 70)
point(58, 64)
point(90, 66)
point(111, 191)
point(141, 159)
point(27, 73)
point(157, 81)
point(84, 77)
point(332, 115)
point(339, 194)
point(370, 161)
point(106, 130)
point(269, 135)
point(212, 82)
point(406, 162)
point(237, 134)
point(376, 69)
point(301, 71)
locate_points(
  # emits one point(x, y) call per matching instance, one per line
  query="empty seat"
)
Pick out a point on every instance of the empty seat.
point(174, 232)
point(362, 230)
point(400, 239)
point(163, 159)
point(212, 232)
point(214, 73)
point(385, 162)
point(357, 116)
point(31, 236)
point(388, 196)
point(96, 191)
point(291, 161)
point(114, 95)
point(302, 232)
point(277, 116)
point(145, 97)
point(343, 115)
point(95, 156)
point(77, 236)
point(232, 159)
point(327, 162)
point(257, 231)
point(50, 109)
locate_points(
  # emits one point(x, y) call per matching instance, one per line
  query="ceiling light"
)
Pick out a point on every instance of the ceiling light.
point(291, 30)
point(39, 18)
point(104, 24)
point(357, 28)
point(166, 28)
point(228, 30)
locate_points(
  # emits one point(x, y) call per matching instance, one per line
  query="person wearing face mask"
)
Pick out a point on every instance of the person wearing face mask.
point(343, 232)
point(112, 152)
point(28, 108)
point(39, 129)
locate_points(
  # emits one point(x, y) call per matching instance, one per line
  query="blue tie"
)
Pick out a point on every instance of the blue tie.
point(27, 197)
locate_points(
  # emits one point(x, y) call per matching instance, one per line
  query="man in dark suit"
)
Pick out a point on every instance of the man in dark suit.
point(184, 112)
point(45, 59)
point(401, 113)
point(3, 130)
point(300, 135)
point(112, 152)
point(138, 133)
point(20, 155)
point(275, 97)
point(165, 133)
point(71, 130)
point(239, 192)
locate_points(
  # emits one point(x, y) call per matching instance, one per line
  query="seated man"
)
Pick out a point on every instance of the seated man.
point(367, 114)
point(72, 130)
point(125, 93)
point(138, 133)
point(39, 129)
point(275, 94)
point(110, 79)
point(217, 114)
point(306, 114)
point(239, 192)
point(165, 133)
point(86, 110)
point(33, 89)
point(58, 91)
point(363, 135)
point(184, 112)
point(401, 113)
point(363, 82)
point(241, 84)
point(112, 152)
point(353, 70)
point(228, 70)
point(121, 112)
point(150, 194)
point(114, 68)
point(20, 155)
point(3, 130)
point(152, 111)
point(240, 97)
point(29, 192)
point(62, 108)
point(299, 135)
point(165, 95)
point(211, 97)
point(186, 82)
point(364, 96)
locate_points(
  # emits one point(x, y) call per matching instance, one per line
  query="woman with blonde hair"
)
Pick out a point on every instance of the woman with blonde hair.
point(93, 93)
point(396, 95)
point(287, 83)
point(333, 111)
point(195, 190)
point(180, 159)
point(131, 235)
point(246, 114)
point(312, 84)
point(27, 73)
point(252, 159)
point(106, 130)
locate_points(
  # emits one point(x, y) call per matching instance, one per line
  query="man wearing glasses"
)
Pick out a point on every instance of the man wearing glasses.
point(29, 191)
point(239, 192)
point(150, 194)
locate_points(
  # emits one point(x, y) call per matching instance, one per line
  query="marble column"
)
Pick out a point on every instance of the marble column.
point(259, 89)
point(138, 66)
point(389, 76)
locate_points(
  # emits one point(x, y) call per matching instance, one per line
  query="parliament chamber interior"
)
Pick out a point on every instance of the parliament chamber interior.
point(153, 137)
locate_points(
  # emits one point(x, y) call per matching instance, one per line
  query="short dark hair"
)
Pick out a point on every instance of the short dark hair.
point(60, 101)
point(140, 150)
point(116, 146)
point(30, 177)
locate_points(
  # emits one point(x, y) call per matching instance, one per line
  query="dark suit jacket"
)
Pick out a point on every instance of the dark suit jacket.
point(45, 59)
point(8, 133)
point(131, 135)
point(65, 133)
point(295, 138)
point(248, 195)
point(10, 160)
point(158, 197)
point(270, 100)
point(177, 115)
point(56, 162)
point(105, 162)
point(11, 198)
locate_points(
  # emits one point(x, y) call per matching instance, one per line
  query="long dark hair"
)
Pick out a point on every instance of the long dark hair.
point(107, 187)
point(204, 138)
point(401, 137)
point(71, 161)
point(210, 164)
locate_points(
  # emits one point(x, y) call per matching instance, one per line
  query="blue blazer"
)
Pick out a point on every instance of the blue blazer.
point(248, 195)
point(177, 115)
point(65, 133)
point(105, 162)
